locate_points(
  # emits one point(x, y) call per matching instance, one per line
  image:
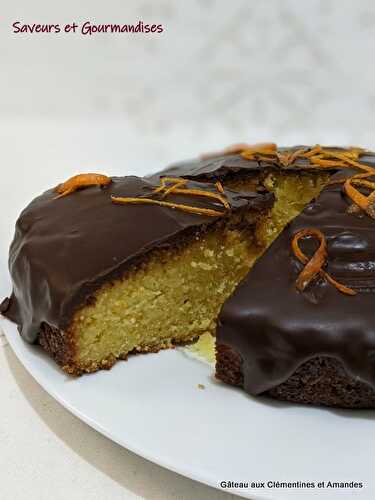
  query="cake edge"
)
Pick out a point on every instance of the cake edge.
point(320, 381)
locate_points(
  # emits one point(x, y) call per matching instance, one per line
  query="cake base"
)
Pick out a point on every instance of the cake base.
point(319, 381)
point(62, 350)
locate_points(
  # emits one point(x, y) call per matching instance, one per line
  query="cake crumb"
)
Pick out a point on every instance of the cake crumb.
point(201, 386)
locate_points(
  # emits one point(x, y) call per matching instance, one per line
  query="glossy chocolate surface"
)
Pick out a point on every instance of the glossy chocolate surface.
point(65, 249)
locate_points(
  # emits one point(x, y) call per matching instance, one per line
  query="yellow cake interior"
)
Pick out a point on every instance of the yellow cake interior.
point(175, 296)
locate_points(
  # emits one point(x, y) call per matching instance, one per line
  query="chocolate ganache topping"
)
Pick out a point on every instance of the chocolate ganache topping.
point(68, 242)
point(275, 327)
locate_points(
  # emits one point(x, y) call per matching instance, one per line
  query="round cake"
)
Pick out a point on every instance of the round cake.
point(270, 249)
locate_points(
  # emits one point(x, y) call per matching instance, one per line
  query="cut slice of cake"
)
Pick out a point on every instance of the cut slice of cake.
point(100, 271)
point(309, 340)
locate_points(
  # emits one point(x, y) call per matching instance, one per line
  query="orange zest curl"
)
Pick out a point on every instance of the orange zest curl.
point(178, 206)
point(261, 148)
point(79, 181)
point(172, 185)
point(314, 265)
point(177, 187)
point(219, 187)
point(363, 202)
point(230, 150)
point(175, 183)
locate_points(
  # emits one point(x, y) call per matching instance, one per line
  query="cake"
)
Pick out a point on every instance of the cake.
point(312, 344)
point(102, 267)
point(270, 249)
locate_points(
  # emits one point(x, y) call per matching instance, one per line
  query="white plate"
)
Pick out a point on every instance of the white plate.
point(153, 406)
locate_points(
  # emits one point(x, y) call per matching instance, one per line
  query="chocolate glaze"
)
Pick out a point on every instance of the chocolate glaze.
point(275, 328)
point(65, 249)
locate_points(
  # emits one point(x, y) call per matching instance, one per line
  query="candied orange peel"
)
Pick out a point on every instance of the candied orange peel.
point(80, 181)
point(173, 185)
point(314, 265)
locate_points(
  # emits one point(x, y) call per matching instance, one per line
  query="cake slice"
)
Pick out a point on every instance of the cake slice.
point(103, 267)
point(307, 341)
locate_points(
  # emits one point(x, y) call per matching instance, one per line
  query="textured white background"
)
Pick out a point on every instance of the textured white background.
point(291, 71)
